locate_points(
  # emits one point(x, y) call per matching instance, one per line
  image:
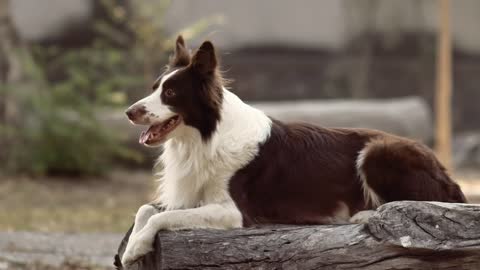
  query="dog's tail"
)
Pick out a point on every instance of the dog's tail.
point(395, 170)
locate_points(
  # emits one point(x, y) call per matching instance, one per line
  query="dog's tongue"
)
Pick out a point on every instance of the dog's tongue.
point(144, 137)
point(150, 134)
point(155, 133)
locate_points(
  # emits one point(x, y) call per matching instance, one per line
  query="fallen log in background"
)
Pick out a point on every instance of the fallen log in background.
point(408, 116)
point(401, 235)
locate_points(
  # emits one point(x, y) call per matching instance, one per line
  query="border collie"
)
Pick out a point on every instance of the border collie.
point(228, 165)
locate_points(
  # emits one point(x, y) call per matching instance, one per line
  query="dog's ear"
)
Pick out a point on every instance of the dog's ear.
point(181, 56)
point(205, 61)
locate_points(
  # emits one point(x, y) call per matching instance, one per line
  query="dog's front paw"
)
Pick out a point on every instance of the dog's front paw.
point(137, 247)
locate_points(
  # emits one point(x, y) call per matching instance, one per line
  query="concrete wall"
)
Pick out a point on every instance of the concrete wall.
point(39, 20)
point(326, 24)
point(250, 22)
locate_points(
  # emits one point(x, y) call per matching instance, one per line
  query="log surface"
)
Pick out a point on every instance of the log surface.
point(400, 235)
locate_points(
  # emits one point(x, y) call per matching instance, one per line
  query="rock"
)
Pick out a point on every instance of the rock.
point(466, 150)
point(55, 250)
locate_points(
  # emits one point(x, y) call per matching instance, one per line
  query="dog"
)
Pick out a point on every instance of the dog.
point(228, 165)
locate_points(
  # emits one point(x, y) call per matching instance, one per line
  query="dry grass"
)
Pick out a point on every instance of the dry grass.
point(92, 205)
point(73, 205)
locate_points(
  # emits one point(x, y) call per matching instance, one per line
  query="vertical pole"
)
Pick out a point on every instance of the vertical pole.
point(444, 86)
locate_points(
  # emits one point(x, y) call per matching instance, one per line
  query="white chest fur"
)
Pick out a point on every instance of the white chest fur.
point(197, 173)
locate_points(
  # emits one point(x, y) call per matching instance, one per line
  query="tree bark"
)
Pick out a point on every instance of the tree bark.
point(5, 75)
point(400, 235)
point(11, 73)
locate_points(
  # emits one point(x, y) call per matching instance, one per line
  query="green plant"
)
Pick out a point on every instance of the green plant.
point(144, 32)
point(56, 129)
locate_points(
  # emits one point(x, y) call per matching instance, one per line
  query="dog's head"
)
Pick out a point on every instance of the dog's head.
point(188, 95)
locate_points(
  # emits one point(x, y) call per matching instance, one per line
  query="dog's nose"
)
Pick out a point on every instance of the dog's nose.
point(134, 112)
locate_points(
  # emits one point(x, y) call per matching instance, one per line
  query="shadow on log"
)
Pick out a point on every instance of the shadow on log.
point(400, 235)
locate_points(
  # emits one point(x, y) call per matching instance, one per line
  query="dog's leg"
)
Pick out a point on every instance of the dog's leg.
point(215, 216)
point(141, 218)
point(143, 214)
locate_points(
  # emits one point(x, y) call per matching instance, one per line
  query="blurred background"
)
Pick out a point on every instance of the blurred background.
point(70, 161)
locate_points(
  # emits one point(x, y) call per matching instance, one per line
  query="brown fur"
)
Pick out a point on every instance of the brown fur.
point(401, 169)
point(304, 173)
point(181, 56)
point(197, 87)
point(198, 91)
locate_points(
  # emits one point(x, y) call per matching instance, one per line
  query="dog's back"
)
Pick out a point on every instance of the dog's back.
point(306, 174)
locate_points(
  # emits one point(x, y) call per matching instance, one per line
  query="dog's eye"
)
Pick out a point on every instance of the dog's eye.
point(169, 92)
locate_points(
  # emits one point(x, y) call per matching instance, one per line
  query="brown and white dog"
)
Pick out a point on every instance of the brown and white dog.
point(228, 165)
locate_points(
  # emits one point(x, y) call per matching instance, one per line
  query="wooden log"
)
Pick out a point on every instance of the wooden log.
point(400, 235)
point(408, 116)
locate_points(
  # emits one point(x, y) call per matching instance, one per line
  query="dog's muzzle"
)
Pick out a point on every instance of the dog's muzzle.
point(136, 114)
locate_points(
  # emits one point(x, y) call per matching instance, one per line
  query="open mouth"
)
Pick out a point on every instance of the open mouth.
point(157, 133)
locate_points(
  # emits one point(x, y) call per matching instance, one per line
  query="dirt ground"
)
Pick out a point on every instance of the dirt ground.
point(73, 205)
point(100, 205)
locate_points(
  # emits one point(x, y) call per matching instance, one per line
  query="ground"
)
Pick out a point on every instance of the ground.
point(100, 205)
point(71, 214)
point(106, 204)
